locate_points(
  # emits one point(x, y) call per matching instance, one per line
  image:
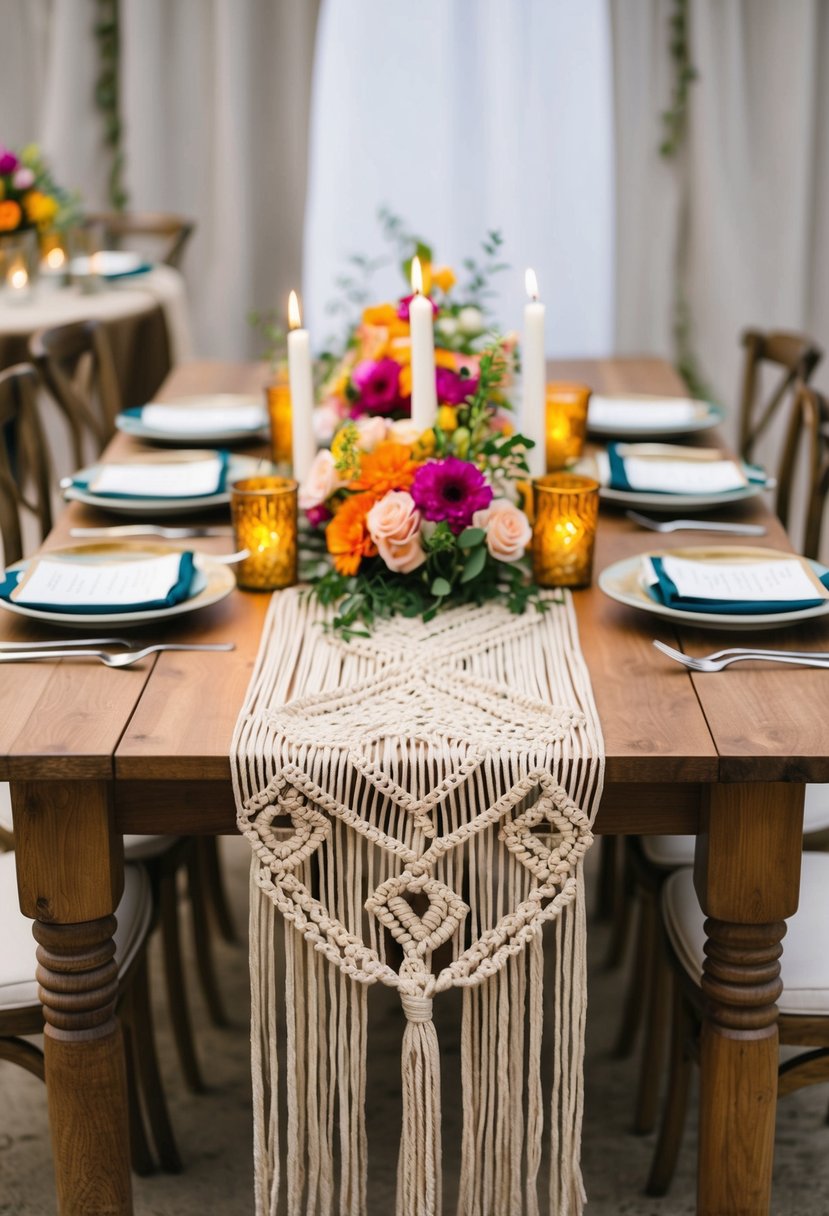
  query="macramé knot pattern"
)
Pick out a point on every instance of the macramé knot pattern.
point(418, 806)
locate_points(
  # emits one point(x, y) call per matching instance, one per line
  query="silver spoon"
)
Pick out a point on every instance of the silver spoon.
point(816, 659)
point(110, 660)
point(695, 525)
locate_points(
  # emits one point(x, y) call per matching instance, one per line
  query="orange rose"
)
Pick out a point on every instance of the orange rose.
point(347, 534)
point(389, 467)
point(10, 215)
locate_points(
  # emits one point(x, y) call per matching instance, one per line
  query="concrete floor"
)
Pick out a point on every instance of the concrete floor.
point(214, 1130)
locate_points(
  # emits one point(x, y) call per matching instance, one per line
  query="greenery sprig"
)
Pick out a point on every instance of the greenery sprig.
point(107, 95)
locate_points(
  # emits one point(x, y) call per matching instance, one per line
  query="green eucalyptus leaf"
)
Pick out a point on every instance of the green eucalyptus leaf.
point(440, 587)
point(470, 537)
point(474, 564)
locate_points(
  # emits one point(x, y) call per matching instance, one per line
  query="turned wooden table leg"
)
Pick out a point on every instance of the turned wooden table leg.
point(70, 878)
point(747, 876)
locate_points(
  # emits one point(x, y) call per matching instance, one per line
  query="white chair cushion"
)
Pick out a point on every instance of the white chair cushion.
point(669, 852)
point(18, 986)
point(805, 961)
point(141, 848)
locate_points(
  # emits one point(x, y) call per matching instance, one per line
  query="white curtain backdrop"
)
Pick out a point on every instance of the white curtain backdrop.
point(463, 116)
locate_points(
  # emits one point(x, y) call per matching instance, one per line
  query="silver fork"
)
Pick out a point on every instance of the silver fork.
point(110, 660)
point(64, 642)
point(695, 525)
point(724, 658)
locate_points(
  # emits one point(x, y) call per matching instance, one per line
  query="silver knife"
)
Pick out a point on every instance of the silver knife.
point(64, 643)
point(149, 530)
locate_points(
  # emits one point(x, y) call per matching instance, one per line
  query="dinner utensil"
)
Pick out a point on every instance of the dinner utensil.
point(64, 642)
point(695, 525)
point(110, 660)
point(149, 530)
point(723, 658)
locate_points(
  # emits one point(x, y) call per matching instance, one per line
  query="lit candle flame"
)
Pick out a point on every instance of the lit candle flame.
point(417, 277)
point(294, 315)
point(531, 283)
point(55, 258)
point(19, 278)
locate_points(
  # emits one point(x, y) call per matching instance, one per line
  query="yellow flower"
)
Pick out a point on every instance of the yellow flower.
point(40, 208)
point(425, 445)
point(447, 417)
point(446, 358)
point(380, 314)
point(444, 278)
point(404, 384)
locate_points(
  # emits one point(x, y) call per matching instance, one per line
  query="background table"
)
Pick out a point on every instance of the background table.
point(93, 753)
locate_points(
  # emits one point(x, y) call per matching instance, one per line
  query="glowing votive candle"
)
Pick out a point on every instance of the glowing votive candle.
point(566, 423)
point(264, 514)
point(18, 285)
point(278, 397)
point(302, 392)
point(564, 529)
point(421, 324)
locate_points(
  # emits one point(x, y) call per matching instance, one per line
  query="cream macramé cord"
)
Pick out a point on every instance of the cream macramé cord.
point(418, 805)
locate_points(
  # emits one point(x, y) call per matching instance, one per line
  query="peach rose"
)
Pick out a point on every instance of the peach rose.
point(321, 482)
point(394, 526)
point(404, 431)
point(370, 432)
point(508, 530)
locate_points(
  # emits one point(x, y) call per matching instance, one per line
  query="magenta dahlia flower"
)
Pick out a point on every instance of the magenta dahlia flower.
point(453, 389)
point(378, 383)
point(8, 161)
point(450, 489)
point(403, 306)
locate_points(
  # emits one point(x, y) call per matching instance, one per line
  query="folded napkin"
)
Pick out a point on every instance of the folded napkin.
point(661, 468)
point(110, 264)
point(62, 585)
point(741, 588)
point(642, 413)
point(168, 479)
point(191, 420)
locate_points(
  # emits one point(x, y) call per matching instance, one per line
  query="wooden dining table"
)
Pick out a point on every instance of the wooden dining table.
point(93, 753)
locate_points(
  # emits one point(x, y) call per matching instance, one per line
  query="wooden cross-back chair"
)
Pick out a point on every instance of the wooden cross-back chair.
point(808, 434)
point(78, 368)
point(113, 230)
point(25, 473)
point(795, 356)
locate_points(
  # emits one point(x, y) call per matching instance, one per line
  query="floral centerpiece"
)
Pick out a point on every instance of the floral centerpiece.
point(29, 197)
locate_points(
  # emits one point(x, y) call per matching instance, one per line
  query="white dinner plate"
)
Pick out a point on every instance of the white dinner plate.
point(701, 415)
point(109, 264)
point(211, 583)
point(132, 424)
point(622, 582)
point(670, 502)
point(238, 467)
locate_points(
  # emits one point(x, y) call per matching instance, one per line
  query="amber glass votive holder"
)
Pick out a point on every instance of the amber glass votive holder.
point(564, 529)
point(565, 422)
point(264, 513)
point(278, 397)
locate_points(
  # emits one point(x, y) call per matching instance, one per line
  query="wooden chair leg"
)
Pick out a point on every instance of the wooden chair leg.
point(176, 983)
point(676, 1102)
point(624, 910)
point(609, 866)
point(24, 1054)
point(657, 1025)
point(141, 1158)
point(640, 978)
point(207, 850)
point(204, 949)
point(146, 1061)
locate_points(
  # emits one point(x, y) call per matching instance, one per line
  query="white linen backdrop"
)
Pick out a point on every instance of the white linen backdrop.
point(463, 116)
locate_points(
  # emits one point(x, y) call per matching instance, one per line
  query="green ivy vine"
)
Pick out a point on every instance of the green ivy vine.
point(107, 95)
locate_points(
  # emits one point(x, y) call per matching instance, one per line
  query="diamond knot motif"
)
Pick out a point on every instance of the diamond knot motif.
point(417, 935)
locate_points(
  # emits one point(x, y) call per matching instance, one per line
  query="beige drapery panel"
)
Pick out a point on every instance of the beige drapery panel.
point(754, 177)
point(215, 97)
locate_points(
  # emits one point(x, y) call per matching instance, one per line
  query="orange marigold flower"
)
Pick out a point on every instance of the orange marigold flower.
point(380, 314)
point(347, 534)
point(10, 215)
point(404, 384)
point(389, 467)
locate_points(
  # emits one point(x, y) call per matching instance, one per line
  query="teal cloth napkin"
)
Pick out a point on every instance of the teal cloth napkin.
point(128, 274)
point(178, 593)
point(80, 481)
point(665, 592)
point(619, 478)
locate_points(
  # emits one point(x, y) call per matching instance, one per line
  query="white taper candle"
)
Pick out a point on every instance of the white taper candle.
point(534, 378)
point(302, 392)
point(421, 323)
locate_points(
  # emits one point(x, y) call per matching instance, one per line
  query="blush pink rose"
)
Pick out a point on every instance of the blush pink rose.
point(508, 530)
point(321, 482)
point(404, 431)
point(394, 526)
point(370, 432)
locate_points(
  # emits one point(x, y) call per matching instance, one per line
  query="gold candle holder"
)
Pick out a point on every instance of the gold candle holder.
point(565, 422)
point(278, 396)
point(264, 513)
point(564, 531)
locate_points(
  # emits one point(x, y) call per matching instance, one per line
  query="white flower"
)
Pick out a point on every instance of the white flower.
point(470, 321)
point(370, 432)
point(326, 419)
point(404, 431)
point(321, 482)
point(447, 326)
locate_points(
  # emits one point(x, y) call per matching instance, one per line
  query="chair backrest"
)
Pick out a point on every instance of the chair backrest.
point(165, 232)
point(795, 356)
point(807, 439)
point(25, 473)
point(78, 368)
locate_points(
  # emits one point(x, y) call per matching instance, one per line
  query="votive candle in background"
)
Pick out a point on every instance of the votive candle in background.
point(18, 283)
point(564, 529)
point(264, 515)
point(566, 422)
point(421, 324)
point(302, 392)
point(278, 397)
point(534, 377)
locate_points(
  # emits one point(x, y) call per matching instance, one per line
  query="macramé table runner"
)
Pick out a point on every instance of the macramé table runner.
point(419, 804)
